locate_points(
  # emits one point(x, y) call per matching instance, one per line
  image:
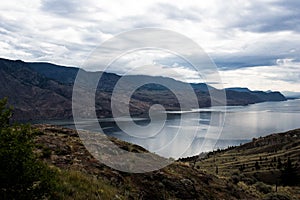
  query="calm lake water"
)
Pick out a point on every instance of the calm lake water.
point(190, 133)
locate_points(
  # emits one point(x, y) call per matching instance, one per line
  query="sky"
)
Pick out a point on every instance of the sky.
point(254, 43)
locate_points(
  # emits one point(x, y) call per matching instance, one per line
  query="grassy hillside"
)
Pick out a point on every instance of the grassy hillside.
point(262, 164)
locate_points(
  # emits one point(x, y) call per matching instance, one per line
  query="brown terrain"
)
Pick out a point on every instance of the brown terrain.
point(62, 148)
point(189, 178)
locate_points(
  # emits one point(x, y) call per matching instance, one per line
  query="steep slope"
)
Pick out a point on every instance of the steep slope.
point(32, 95)
point(41, 91)
point(235, 96)
point(55, 72)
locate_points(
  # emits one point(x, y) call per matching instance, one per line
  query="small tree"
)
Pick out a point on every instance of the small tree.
point(217, 169)
point(279, 164)
point(5, 113)
point(22, 175)
point(257, 167)
point(289, 174)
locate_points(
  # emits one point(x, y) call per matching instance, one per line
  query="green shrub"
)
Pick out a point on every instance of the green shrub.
point(22, 175)
point(263, 188)
point(46, 152)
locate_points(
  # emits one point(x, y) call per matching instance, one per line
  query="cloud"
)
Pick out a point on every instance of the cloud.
point(69, 8)
point(155, 63)
point(63, 8)
point(275, 16)
point(173, 12)
point(237, 35)
point(258, 16)
point(284, 76)
point(258, 50)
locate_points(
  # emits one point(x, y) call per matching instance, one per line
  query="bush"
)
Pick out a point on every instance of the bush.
point(46, 152)
point(263, 188)
point(248, 180)
point(235, 179)
point(277, 196)
point(22, 175)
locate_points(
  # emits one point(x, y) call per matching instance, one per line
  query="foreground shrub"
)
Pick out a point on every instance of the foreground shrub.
point(22, 175)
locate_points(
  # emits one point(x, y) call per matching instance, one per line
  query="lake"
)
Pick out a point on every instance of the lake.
point(186, 134)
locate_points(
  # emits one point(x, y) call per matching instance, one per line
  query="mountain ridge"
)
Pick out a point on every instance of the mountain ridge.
point(42, 91)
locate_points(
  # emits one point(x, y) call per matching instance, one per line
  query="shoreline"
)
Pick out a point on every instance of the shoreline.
point(75, 133)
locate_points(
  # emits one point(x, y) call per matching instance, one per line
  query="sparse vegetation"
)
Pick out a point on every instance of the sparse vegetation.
point(51, 163)
point(268, 166)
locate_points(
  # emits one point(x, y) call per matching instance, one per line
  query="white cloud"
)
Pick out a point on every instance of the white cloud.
point(236, 34)
point(283, 77)
point(152, 62)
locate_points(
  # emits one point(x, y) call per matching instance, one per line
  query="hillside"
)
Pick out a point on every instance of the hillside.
point(272, 160)
point(43, 91)
point(190, 178)
point(62, 148)
point(32, 95)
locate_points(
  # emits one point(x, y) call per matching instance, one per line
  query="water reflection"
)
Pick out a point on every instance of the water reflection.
point(186, 132)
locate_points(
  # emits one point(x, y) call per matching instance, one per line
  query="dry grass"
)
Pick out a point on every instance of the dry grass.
point(78, 185)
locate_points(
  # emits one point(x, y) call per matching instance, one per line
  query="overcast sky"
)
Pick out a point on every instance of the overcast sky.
point(255, 43)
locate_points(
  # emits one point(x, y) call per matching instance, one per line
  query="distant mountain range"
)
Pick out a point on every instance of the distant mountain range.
point(291, 95)
point(43, 91)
